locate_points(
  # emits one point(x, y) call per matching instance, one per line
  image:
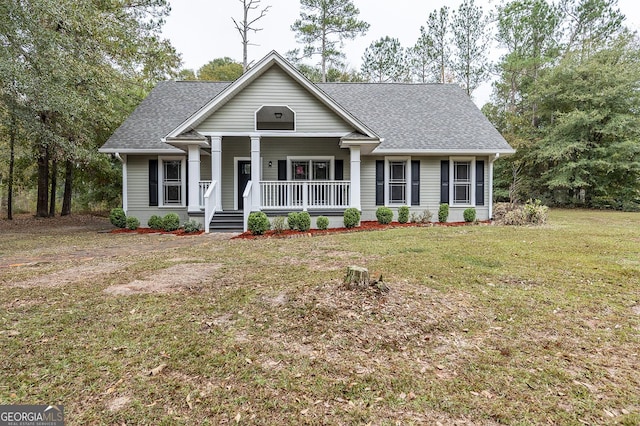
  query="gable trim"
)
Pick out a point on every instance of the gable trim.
point(272, 58)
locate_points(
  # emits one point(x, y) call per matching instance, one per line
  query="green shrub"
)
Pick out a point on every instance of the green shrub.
point(132, 223)
point(403, 214)
point(322, 222)
point(170, 222)
point(292, 220)
point(469, 214)
point(258, 223)
point(278, 224)
point(118, 218)
point(155, 222)
point(384, 215)
point(443, 212)
point(351, 217)
point(535, 212)
point(191, 226)
point(304, 221)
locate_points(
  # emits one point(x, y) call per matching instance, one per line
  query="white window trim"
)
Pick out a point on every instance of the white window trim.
point(472, 190)
point(329, 158)
point(295, 119)
point(387, 178)
point(183, 181)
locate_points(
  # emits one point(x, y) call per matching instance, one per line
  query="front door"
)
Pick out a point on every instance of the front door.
point(244, 176)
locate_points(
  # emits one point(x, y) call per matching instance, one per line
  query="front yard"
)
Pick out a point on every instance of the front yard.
point(482, 325)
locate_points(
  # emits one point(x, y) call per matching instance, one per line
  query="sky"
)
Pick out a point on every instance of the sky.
point(202, 30)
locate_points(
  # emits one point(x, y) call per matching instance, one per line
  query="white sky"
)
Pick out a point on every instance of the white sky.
point(202, 30)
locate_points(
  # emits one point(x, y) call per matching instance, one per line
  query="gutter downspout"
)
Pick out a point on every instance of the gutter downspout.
point(123, 160)
point(491, 160)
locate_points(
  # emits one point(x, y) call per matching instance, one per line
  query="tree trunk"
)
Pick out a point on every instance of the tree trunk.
point(54, 185)
point(42, 207)
point(356, 277)
point(12, 146)
point(68, 185)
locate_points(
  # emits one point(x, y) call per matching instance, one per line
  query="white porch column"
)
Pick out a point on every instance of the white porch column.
point(216, 168)
point(255, 171)
point(355, 177)
point(194, 178)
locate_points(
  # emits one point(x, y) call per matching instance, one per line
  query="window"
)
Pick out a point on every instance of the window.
point(461, 182)
point(172, 182)
point(397, 182)
point(311, 169)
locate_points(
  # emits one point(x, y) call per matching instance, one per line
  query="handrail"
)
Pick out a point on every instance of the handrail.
point(246, 195)
point(209, 205)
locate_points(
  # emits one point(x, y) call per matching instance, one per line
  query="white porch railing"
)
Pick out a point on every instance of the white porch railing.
point(204, 185)
point(326, 194)
point(247, 197)
point(209, 201)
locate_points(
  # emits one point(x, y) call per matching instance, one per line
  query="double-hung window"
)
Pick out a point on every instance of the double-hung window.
point(462, 182)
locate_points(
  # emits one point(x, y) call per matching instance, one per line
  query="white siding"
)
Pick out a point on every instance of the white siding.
point(274, 87)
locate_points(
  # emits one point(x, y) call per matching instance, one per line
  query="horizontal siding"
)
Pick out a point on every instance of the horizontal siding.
point(232, 147)
point(274, 87)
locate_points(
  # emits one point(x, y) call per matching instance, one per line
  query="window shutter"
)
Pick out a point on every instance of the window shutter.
point(153, 182)
point(444, 181)
point(379, 182)
point(282, 169)
point(479, 183)
point(415, 182)
point(339, 172)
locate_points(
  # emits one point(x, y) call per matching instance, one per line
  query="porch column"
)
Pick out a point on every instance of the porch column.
point(194, 178)
point(355, 177)
point(216, 168)
point(255, 172)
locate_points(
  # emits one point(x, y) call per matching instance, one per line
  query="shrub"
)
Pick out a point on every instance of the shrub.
point(132, 223)
point(304, 221)
point(424, 217)
point(469, 214)
point(351, 217)
point(118, 218)
point(191, 226)
point(535, 212)
point(403, 214)
point(155, 222)
point(443, 212)
point(170, 222)
point(292, 220)
point(384, 215)
point(514, 217)
point(278, 224)
point(322, 222)
point(258, 223)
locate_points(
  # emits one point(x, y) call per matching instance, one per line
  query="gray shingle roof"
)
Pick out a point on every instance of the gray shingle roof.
point(418, 116)
point(409, 117)
point(167, 106)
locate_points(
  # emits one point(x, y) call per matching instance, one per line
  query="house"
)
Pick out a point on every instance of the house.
point(276, 142)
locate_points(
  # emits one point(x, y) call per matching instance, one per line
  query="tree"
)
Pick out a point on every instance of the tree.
point(471, 41)
point(437, 33)
point(343, 75)
point(323, 26)
point(246, 25)
point(220, 69)
point(384, 61)
point(420, 57)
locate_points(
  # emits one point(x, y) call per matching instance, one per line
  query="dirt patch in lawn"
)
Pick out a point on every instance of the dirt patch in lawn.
point(177, 277)
point(76, 274)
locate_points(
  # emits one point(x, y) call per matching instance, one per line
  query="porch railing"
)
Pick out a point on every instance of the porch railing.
point(204, 185)
point(209, 201)
point(303, 195)
point(247, 196)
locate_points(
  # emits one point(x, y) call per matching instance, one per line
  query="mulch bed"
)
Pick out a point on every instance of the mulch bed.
point(179, 232)
point(370, 225)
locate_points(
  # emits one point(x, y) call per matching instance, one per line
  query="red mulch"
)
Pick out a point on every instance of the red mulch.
point(370, 225)
point(179, 232)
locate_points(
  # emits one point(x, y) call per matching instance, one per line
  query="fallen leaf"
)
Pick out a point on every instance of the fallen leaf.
point(238, 417)
point(304, 412)
point(189, 402)
point(157, 370)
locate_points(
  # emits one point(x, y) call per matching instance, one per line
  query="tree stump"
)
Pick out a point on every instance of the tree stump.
point(357, 277)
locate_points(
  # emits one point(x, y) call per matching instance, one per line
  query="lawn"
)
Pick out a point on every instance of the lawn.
point(482, 325)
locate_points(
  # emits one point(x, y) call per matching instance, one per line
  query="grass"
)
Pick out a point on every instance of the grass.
point(483, 324)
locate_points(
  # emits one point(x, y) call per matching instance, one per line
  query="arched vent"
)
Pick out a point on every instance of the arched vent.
point(273, 117)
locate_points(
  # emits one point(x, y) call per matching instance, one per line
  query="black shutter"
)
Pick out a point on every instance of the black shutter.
point(339, 172)
point(379, 182)
point(282, 169)
point(444, 181)
point(415, 182)
point(153, 182)
point(479, 183)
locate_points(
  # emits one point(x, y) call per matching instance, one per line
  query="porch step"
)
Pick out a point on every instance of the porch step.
point(229, 221)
